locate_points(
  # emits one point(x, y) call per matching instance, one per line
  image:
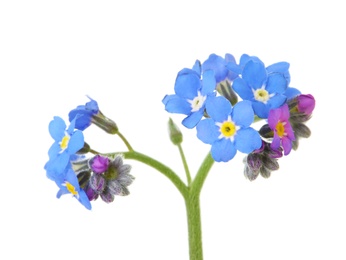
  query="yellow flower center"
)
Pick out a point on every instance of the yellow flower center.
point(261, 95)
point(228, 129)
point(71, 188)
point(64, 142)
point(280, 129)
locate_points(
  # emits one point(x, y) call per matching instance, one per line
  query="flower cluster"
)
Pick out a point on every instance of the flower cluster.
point(86, 179)
point(224, 99)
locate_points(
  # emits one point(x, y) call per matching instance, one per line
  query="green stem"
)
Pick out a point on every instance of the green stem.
point(186, 167)
point(191, 195)
point(125, 141)
point(180, 185)
point(194, 212)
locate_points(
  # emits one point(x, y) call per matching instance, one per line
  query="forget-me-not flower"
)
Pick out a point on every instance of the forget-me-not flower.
point(228, 129)
point(67, 141)
point(265, 89)
point(193, 88)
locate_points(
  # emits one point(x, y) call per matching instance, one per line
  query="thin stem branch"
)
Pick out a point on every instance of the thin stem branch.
point(186, 167)
point(125, 141)
point(169, 173)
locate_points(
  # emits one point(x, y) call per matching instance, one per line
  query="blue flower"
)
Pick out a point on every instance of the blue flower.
point(265, 88)
point(85, 114)
point(191, 94)
point(228, 129)
point(68, 184)
point(219, 66)
point(67, 143)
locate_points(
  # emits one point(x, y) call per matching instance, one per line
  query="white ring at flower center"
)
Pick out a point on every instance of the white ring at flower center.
point(197, 102)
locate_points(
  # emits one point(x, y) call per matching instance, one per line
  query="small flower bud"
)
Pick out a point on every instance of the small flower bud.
point(249, 174)
point(224, 89)
point(97, 183)
point(85, 149)
point(265, 173)
point(104, 123)
point(254, 162)
point(270, 163)
point(92, 195)
point(266, 132)
point(306, 104)
point(107, 197)
point(83, 178)
point(99, 164)
point(295, 144)
point(301, 130)
point(174, 133)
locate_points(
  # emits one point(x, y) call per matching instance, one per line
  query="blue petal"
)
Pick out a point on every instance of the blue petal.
point(218, 108)
point(72, 125)
point(187, 85)
point(72, 178)
point(243, 114)
point(92, 106)
point(291, 92)
point(76, 142)
point(59, 163)
point(276, 83)
point(234, 69)
point(209, 82)
point(61, 192)
point(281, 67)
point(192, 120)
point(247, 139)
point(197, 67)
point(276, 101)
point(54, 150)
point(57, 128)
point(255, 74)
point(218, 65)
point(223, 150)
point(84, 200)
point(245, 58)
point(207, 131)
point(175, 104)
point(260, 109)
point(242, 89)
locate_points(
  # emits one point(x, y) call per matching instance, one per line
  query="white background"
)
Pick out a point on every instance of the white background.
point(126, 55)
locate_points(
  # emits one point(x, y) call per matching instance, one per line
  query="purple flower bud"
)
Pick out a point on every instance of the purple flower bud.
point(254, 162)
point(306, 104)
point(92, 195)
point(97, 183)
point(107, 197)
point(99, 164)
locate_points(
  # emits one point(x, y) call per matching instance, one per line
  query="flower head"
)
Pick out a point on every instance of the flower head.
point(264, 87)
point(67, 141)
point(278, 121)
point(192, 91)
point(228, 129)
point(113, 179)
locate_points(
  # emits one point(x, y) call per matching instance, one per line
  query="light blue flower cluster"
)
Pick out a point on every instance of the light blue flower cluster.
point(86, 179)
point(209, 93)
